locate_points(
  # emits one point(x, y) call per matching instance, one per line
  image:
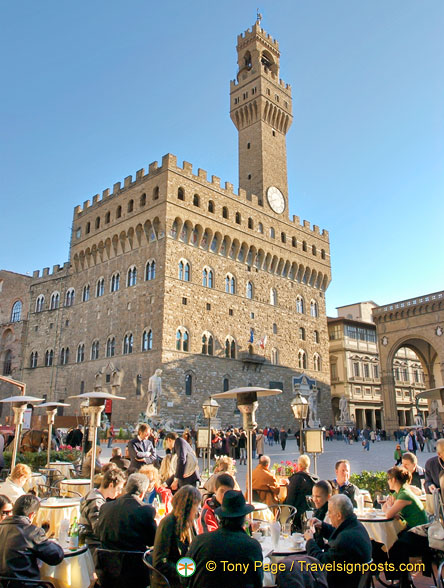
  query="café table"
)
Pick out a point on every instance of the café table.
point(35, 480)
point(54, 510)
point(80, 485)
point(379, 527)
point(285, 548)
point(64, 467)
point(262, 512)
point(75, 571)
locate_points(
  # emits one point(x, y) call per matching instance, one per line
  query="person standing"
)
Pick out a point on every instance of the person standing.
point(366, 437)
point(243, 448)
point(233, 442)
point(428, 438)
point(186, 464)
point(110, 435)
point(410, 442)
point(141, 450)
point(260, 444)
point(283, 436)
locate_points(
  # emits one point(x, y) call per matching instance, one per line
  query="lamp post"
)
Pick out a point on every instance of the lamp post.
point(210, 408)
point(51, 409)
point(95, 409)
point(247, 404)
point(299, 406)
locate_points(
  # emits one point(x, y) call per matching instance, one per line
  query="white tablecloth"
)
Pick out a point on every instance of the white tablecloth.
point(35, 480)
point(64, 467)
point(75, 571)
point(381, 529)
point(54, 510)
point(80, 485)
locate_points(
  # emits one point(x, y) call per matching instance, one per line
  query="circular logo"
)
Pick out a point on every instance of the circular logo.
point(186, 567)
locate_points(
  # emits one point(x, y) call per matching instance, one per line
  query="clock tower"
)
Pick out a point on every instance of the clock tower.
point(260, 108)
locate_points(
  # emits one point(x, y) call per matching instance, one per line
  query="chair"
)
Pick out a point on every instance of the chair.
point(152, 570)
point(6, 582)
point(120, 569)
point(287, 514)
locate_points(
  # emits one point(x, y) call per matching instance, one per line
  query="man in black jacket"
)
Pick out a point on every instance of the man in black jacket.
point(341, 484)
point(141, 450)
point(348, 542)
point(186, 464)
point(23, 543)
point(299, 487)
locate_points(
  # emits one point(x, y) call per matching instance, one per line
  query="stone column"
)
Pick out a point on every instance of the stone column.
point(389, 401)
point(373, 419)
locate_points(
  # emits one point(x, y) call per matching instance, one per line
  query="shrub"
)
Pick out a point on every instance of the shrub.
point(374, 482)
point(37, 460)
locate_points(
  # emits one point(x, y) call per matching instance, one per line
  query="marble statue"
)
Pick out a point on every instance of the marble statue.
point(313, 404)
point(154, 392)
point(343, 407)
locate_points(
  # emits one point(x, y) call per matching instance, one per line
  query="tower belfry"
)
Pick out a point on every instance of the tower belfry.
point(260, 108)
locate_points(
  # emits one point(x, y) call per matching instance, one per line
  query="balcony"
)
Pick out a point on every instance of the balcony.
point(252, 361)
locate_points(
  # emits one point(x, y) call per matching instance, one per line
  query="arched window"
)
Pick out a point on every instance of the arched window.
point(131, 206)
point(300, 305)
point(322, 253)
point(316, 336)
point(55, 301)
point(88, 228)
point(95, 350)
point(230, 284)
point(107, 218)
point(80, 353)
point(119, 212)
point(260, 228)
point(142, 200)
point(283, 237)
point(98, 222)
point(39, 303)
point(150, 270)
point(16, 312)
point(181, 194)
point(85, 293)
point(128, 344)
point(230, 348)
point(302, 333)
point(196, 200)
point(70, 295)
point(207, 278)
point(210, 206)
point(294, 242)
point(111, 347)
point(115, 282)
point(156, 193)
point(313, 249)
point(275, 329)
point(314, 309)
point(249, 290)
point(188, 384)
point(302, 359)
point(64, 355)
point(238, 218)
point(100, 288)
point(273, 296)
point(207, 344)
point(184, 270)
point(272, 233)
point(147, 340)
point(304, 245)
point(274, 356)
point(132, 276)
point(250, 223)
point(34, 359)
point(317, 362)
point(7, 363)
point(225, 384)
point(225, 212)
point(182, 339)
point(49, 357)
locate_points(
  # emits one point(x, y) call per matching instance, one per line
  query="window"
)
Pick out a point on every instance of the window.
point(181, 194)
point(250, 223)
point(366, 370)
point(16, 312)
point(225, 212)
point(356, 370)
point(98, 222)
point(283, 237)
point(188, 384)
point(184, 270)
point(210, 206)
point(150, 270)
point(314, 309)
point(49, 357)
point(196, 200)
point(274, 356)
point(85, 293)
point(147, 340)
point(316, 336)
point(131, 206)
point(142, 200)
point(115, 282)
point(273, 296)
point(300, 305)
point(230, 284)
point(322, 253)
point(100, 288)
point(302, 359)
point(39, 303)
point(304, 246)
point(55, 301)
point(107, 218)
point(7, 363)
point(249, 290)
point(207, 344)
point(225, 384)
point(128, 344)
point(313, 249)
point(95, 350)
point(182, 339)
point(70, 295)
point(131, 277)
point(88, 228)
point(302, 333)
point(376, 372)
point(139, 385)
point(207, 278)
point(34, 359)
point(156, 193)
point(208, 306)
point(80, 353)
point(184, 300)
point(238, 218)
point(230, 312)
point(260, 228)
point(111, 347)
point(230, 348)
point(119, 212)
point(333, 371)
point(64, 355)
point(317, 362)
point(275, 329)
point(272, 233)
point(78, 233)
point(294, 242)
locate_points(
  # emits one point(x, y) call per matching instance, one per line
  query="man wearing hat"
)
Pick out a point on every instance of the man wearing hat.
point(236, 558)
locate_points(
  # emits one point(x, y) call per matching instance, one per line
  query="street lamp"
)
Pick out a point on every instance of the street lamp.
point(299, 406)
point(51, 409)
point(210, 408)
point(247, 404)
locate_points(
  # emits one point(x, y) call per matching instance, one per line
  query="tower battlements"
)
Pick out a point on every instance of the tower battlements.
point(234, 83)
point(56, 271)
point(257, 30)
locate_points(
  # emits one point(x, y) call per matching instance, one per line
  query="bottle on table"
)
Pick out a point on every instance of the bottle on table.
point(74, 535)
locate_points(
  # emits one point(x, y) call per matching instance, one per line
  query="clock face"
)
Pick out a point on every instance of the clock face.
point(276, 199)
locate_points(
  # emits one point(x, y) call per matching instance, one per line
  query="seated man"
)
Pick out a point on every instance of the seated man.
point(265, 485)
point(348, 542)
point(410, 462)
point(122, 463)
point(207, 520)
point(229, 543)
point(320, 495)
point(341, 484)
point(299, 487)
point(433, 468)
point(23, 544)
point(12, 487)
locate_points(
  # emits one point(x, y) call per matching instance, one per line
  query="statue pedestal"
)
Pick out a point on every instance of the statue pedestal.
point(349, 424)
point(316, 424)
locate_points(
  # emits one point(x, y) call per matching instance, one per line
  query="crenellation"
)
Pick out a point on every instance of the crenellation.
point(306, 224)
point(169, 160)
point(325, 233)
point(153, 166)
point(55, 268)
point(116, 188)
point(45, 272)
point(105, 194)
point(202, 174)
point(215, 180)
point(128, 181)
point(36, 274)
point(316, 229)
point(95, 199)
point(187, 167)
point(296, 220)
point(242, 193)
point(78, 210)
point(229, 187)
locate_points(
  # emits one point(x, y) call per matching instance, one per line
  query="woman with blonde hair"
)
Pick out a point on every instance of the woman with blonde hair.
point(13, 486)
point(166, 468)
point(155, 490)
point(174, 535)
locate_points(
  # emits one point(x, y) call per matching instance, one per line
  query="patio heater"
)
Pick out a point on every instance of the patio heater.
point(247, 404)
point(210, 408)
point(299, 406)
point(51, 409)
point(95, 408)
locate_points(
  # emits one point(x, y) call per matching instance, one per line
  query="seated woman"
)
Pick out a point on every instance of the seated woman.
point(155, 490)
point(13, 485)
point(86, 468)
point(174, 535)
point(403, 503)
point(5, 507)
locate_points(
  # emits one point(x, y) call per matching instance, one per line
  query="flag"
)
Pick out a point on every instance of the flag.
point(263, 342)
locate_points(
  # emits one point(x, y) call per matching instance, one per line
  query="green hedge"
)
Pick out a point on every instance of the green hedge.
point(372, 481)
point(38, 460)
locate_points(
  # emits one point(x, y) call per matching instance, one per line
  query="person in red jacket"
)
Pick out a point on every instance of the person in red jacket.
point(207, 521)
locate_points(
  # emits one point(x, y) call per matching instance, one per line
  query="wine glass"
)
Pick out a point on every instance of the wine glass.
point(286, 530)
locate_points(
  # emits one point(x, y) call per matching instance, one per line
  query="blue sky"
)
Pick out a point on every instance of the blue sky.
point(93, 91)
